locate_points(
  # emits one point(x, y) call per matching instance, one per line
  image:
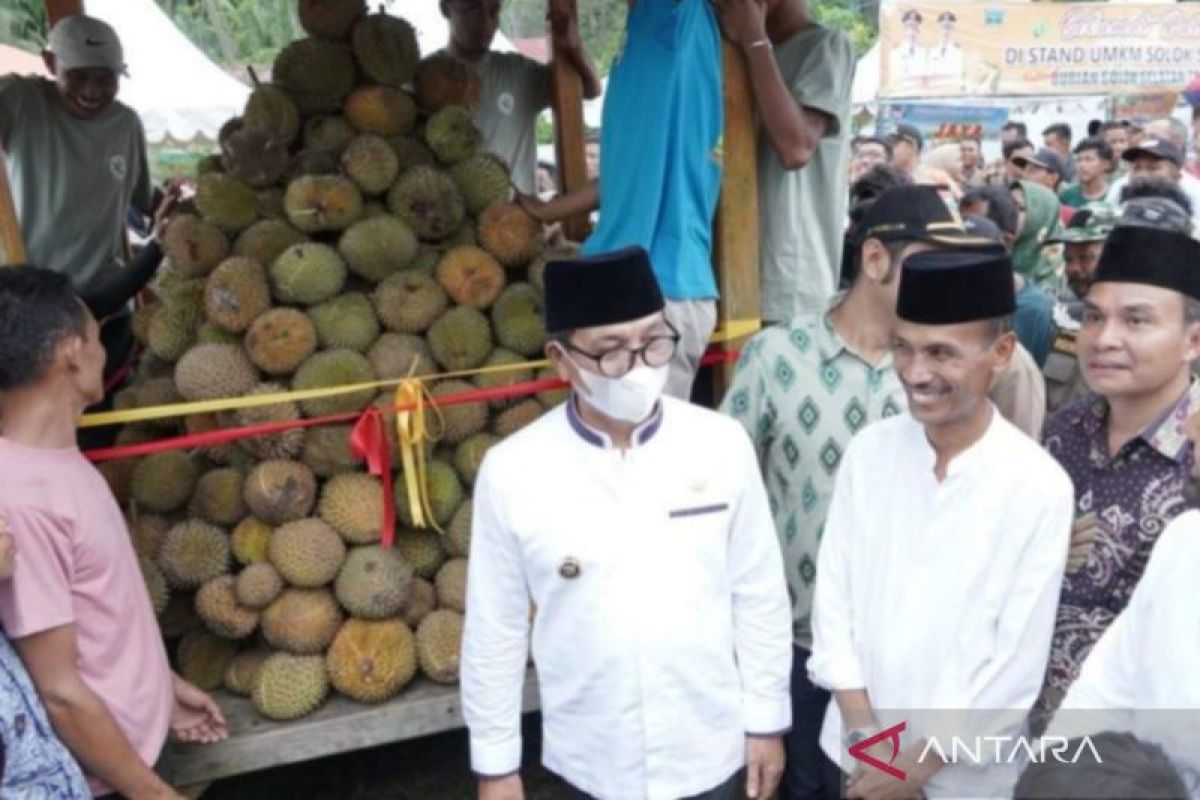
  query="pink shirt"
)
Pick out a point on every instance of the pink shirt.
point(76, 565)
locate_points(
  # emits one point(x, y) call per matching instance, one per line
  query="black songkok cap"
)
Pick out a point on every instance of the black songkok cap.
point(606, 289)
point(1166, 259)
point(946, 287)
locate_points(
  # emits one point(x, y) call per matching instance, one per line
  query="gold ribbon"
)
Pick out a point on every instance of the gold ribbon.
point(413, 433)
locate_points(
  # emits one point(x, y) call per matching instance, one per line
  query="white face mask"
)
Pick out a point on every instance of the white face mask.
point(629, 398)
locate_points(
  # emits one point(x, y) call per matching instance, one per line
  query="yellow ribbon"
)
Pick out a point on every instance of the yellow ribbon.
point(413, 433)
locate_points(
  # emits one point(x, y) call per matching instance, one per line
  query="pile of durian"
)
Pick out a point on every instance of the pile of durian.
point(351, 230)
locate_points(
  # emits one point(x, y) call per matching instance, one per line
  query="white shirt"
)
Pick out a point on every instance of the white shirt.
point(1144, 673)
point(674, 640)
point(1187, 182)
point(940, 595)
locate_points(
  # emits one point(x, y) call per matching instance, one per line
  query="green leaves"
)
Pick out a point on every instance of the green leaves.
point(23, 24)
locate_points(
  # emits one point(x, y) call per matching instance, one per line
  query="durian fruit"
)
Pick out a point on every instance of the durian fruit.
point(316, 203)
point(218, 497)
point(164, 482)
point(250, 541)
point(452, 136)
point(422, 550)
point(147, 532)
point(439, 641)
point(334, 368)
point(308, 553)
point(270, 206)
point(554, 397)
point(139, 320)
point(463, 237)
point(409, 302)
point(511, 377)
point(180, 618)
point(398, 355)
point(203, 658)
point(243, 671)
point(258, 585)
point(256, 159)
point(308, 273)
point(445, 494)
point(309, 163)
point(332, 134)
point(119, 477)
point(265, 240)
point(346, 321)
point(378, 247)
point(458, 532)
point(460, 339)
point(426, 261)
point(451, 585)
point(236, 293)
point(318, 75)
point(193, 245)
point(283, 445)
point(302, 621)
point(156, 584)
point(352, 504)
point(192, 554)
point(460, 420)
point(210, 163)
point(371, 662)
point(511, 420)
point(227, 455)
point(148, 394)
point(213, 372)
point(422, 600)
point(381, 110)
point(483, 180)
point(280, 491)
point(373, 583)
point(289, 687)
point(171, 331)
point(510, 234)
point(226, 202)
point(468, 456)
point(217, 604)
point(444, 80)
point(280, 340)
point(429, 202)
point(371, 163)
point(387, 50)
point(518, 321)
point(327, 451)
point(209, 333)
point(270, 111)
point(470, 276)
point(330, 19)
point(411, 152)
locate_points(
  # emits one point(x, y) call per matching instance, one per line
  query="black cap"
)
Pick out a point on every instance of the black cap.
point(606, 289)
point(911, 133)
point(915, 213)
point(1155, 148)
point(912, 13)
point(1046, 159)
point(983, 228)
point(947, 16)
point(948, 287)
point(1159, 213)
point(1167, 259)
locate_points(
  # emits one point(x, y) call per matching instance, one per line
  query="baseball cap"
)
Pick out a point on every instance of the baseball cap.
point(81, 42)
point(916, 213)
point(1092, 223)
point(1158, 213)
point(1155, 148)
point(1046, 159)
point(910, 133)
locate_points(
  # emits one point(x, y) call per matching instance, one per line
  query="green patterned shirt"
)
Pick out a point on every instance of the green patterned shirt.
point(801, 393)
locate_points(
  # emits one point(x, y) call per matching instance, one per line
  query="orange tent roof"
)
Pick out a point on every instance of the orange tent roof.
point(13, 60)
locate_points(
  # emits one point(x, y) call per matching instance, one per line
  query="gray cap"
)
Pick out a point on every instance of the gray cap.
point(1158, 213)
point(82, 42)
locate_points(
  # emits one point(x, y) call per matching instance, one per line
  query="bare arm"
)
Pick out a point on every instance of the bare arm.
point(82, 720)
point(563, 206)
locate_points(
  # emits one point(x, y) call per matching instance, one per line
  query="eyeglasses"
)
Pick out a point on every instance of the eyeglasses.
point(656, 352)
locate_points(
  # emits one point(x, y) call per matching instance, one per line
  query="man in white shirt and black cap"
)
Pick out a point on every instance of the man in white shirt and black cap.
point(944, 549)
point(638, 528)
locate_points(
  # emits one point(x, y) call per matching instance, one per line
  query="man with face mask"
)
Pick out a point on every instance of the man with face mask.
point(638, 528)
point(944, 548)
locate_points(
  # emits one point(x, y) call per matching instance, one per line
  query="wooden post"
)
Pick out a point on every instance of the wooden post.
point(12, 245)
point(569, 138)
point(57, 9)
point(736, 235)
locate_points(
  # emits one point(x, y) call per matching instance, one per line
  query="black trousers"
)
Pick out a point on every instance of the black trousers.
point(729, 790)
point(809, 774)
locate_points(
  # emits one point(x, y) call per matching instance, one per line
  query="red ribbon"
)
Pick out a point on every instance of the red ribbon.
point(369, 441)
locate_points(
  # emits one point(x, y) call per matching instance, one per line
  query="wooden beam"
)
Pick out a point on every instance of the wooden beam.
point(569, 134)
point(736, 235)
point(12, 245)
point(57, 9)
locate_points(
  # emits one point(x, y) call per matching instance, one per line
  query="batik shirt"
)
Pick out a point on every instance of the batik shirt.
point(1133, 495)
point(34, 764)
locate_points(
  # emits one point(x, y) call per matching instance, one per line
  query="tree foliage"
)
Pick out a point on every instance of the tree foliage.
point(23, 24)
point(236, 33)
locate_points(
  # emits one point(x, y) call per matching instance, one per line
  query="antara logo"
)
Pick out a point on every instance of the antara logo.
point(892, 734)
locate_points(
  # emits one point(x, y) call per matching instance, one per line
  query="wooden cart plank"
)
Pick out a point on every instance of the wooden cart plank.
point(567, 104)
point(12, 245)
point(341, 726)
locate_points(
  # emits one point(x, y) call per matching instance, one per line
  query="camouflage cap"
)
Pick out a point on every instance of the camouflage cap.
point(1092, 223)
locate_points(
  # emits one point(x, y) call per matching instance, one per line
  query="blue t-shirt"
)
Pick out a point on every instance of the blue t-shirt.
point(660, 144)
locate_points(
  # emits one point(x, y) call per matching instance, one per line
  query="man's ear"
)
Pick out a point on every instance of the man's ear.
point(68, 356)
point(1002, 351)
point(875, 262)
point(1193, 342)
point(558, 358)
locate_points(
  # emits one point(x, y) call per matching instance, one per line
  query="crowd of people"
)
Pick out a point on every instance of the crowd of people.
point(954, 473)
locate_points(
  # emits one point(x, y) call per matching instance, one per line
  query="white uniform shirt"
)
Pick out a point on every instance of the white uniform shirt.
point(674, 640)
point(1144, 673)
point(940, 595)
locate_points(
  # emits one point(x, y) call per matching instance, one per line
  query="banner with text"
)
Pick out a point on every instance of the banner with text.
point(980, 49)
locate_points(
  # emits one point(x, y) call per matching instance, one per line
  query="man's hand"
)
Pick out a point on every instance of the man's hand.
point(564, 31)
point(743, 21)
point(509, 788)
point(764, 766)
point(1083, 539)
point(195, 718)
point(535, 207)
point(8, 551)
point(868, 783)
point(162, 214)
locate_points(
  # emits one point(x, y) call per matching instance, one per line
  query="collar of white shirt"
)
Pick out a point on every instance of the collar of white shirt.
point(642, 434)
point(976, 454)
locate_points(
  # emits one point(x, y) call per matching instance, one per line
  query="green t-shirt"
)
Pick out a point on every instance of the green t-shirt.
point(72, 180)
point(514, 91)
point(1073, 196)
point(803, 212)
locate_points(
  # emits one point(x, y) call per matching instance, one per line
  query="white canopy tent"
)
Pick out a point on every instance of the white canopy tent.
point(176, 90)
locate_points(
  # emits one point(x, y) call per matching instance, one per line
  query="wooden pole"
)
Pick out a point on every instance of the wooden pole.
point(569, 139)
point(12, 245)
point(736, 235)
point(57, 9)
